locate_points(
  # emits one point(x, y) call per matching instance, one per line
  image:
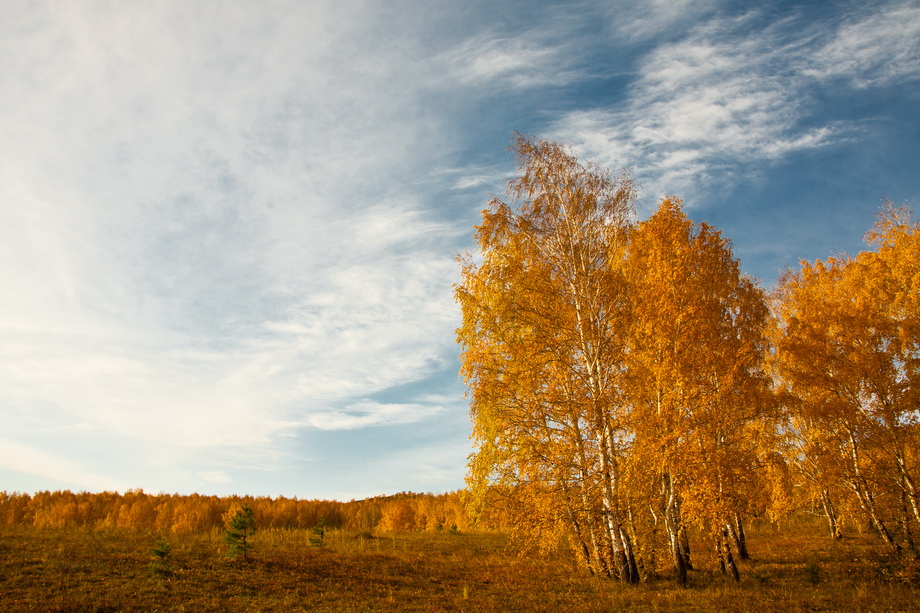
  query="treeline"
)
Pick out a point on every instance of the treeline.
point(631, 388)
point(136, 510)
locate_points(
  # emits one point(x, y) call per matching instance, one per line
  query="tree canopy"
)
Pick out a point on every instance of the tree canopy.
point(615, 368)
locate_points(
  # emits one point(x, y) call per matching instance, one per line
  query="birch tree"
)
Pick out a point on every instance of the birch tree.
point(543, 336)
point(696, 381)
point(848, 350)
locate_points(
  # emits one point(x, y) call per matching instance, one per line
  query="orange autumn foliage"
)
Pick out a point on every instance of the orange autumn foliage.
point(848, 354)
point(615, 370)
point(136, 510)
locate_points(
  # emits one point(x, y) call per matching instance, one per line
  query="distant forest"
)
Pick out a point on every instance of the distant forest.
point(136, 510)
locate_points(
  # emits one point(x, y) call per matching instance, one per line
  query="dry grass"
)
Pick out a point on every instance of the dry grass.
point(796, 569)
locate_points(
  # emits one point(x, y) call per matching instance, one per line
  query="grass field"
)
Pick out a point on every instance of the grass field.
point(795, 569)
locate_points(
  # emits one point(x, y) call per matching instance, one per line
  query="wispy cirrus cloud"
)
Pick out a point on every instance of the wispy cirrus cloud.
point(639, 20)
point(487, 57)
point(208, 235)
point(476, 177)
point(702, 105)
point(535, 57)
point(868, 50)
point(368, 413)
point(736, 92)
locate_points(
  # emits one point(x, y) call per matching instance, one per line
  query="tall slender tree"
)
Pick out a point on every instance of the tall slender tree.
point(697, 388)
point(543, 336)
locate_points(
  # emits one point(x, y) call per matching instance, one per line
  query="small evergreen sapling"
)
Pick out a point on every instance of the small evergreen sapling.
point(239, 529)
point(319, 534)
point(161, 559)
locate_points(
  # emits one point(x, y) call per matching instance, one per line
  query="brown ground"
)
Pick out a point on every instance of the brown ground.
point(798, 569)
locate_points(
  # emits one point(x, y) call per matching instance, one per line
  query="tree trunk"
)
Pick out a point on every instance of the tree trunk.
point(623, 557)
point(726, 561)
point(630, 557)
point(620, 555)
point(908, 486)
point(684, 542)
point(583, 545)
point(638, 562)
point(671, 515)
point(867, 502)
point(830, 512)
point(736, 531)
point(684, 537)
point(596, 554)
point(866, 499)
point(905, 525)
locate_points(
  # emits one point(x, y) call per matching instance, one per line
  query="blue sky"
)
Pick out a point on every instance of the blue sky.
point(228, 229)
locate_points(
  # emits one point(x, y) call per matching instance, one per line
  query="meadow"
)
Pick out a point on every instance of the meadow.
point(794, 567)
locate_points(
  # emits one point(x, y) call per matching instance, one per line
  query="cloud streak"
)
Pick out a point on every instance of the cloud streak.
point(876, 49)
point(735, 92)
point(38, 462)
point(207, 258)
point(522, 61)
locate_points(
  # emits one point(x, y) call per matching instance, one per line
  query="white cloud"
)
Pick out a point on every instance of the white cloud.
point(478, 177)
point(41, 463)
point(638, 20)
point(368, 413)
point(213, 476)
point(723, 97)
point(522, 61)
point(882, 47)
point(470, 181)
point(208, 236)
point(485, 58)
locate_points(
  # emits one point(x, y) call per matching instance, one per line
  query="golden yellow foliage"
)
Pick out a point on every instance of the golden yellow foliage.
point(848, 352)
point(615, 373)
point(542, 318)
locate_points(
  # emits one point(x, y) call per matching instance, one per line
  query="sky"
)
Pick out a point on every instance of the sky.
point(229, 230)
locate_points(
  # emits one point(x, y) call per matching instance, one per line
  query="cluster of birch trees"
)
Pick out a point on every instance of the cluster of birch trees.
point(628, 384)
point(847, 360)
